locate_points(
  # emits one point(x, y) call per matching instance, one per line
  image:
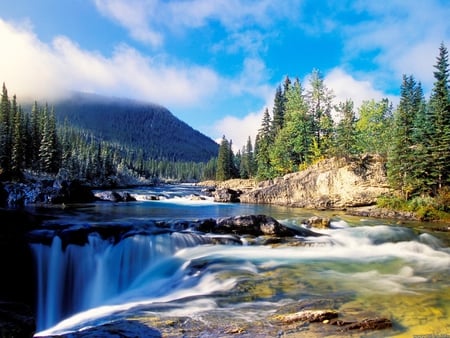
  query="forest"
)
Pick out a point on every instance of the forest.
point(413, 138)
point(86, 147)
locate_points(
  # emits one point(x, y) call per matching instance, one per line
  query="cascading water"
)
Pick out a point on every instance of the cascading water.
point(77, 278)
point(393, 271)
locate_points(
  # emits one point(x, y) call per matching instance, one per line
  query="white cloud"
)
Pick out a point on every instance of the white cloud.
point(403, 37)
point(239, 129)
point(345, 87)
point(35, 70)
point(148, 20)
point(134, 16)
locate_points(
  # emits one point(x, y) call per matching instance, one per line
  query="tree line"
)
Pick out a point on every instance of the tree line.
point(305, 126)
point(33, 141)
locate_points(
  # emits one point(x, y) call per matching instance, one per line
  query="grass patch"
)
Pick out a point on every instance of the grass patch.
point(425, 208)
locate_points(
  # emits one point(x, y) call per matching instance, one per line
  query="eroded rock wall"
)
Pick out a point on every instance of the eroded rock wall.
point(332, 183)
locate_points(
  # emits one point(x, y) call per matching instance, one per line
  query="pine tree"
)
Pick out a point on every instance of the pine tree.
point(401, 157)
point(263, 142)
point(223, 161)
point(5, 132)
point(439, 107)
point(278, 111)
point(18, 139)
point(36, 135)
point(292, 145)
point(48, 150)
point(345, 142)
point(320, 105)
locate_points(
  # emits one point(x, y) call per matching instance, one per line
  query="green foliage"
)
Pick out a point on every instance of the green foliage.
point(373, 127)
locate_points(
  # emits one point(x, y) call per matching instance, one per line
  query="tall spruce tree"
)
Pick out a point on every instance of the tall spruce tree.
point(292, 144)
point(320, 105)
point(264, 140)
point(19, 138)
point(402, 155)
point(278, 111)
point(223, 161)
point(439, 110)
point(345, 141)
point(5, 132)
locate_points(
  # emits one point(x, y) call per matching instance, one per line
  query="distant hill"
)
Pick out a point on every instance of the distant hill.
point(136, 125)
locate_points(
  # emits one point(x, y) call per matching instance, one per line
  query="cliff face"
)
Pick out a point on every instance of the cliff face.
point(332, 183)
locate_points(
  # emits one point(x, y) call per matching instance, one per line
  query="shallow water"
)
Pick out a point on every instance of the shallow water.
point(369, 266)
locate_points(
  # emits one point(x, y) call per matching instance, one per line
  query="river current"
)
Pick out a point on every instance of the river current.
point(370, 266)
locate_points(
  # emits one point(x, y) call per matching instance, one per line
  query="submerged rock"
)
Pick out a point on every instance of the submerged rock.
point(310, 316)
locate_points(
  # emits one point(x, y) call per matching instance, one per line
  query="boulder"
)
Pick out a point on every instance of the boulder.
point(318, 222)
point(114, 196)
point(226, 195)
point(253, 225)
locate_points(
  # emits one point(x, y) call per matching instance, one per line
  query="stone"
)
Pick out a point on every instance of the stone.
point(329, 184)
point(318, 222)
point(226, 195)
point(311, 316)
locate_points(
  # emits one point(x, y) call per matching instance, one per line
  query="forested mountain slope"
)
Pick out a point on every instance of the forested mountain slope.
point(136, 125)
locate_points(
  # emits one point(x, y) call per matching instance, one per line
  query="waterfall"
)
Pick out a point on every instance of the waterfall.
point(76, 278)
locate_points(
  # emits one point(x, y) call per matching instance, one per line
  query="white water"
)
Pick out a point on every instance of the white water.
point(160, 272)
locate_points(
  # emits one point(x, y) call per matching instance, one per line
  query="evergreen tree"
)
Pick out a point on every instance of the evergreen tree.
point(263, 142)
point(292, 145)
point(18, 139)
point(223, 161)
point(48, 150)
point(278, 111)
point(401, 157)
point(5, 132)
point(420, 169)
point(320, 105)
point(36, 135)
point(345, 142)
point(439, 107)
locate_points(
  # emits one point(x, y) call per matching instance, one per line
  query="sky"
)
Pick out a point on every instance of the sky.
point(215, 64)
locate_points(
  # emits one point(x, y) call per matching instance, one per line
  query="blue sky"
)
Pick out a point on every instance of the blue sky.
point(216, 63)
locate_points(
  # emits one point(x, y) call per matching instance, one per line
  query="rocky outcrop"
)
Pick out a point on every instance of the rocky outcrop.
point(47, 192)
point(227, 195)
point(332, 183)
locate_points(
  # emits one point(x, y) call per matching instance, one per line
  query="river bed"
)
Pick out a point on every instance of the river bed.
point(182, 283)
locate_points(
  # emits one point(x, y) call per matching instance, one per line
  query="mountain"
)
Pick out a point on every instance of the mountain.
point(136, 125)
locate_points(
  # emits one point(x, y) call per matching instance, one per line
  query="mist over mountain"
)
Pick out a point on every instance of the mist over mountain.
point(142, 126)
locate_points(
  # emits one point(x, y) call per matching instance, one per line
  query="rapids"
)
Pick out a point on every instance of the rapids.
point(399, 272)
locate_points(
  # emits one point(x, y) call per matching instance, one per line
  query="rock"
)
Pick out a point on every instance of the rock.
point(226, 195)
point(73, 192)
point(311, 316)
point(331, 183)
point(16, 320)
point(253, 225)
point(318, 222)
point(114, 196)
point(369, 324)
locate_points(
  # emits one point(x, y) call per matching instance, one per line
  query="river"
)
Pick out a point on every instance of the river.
point(360, 267)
